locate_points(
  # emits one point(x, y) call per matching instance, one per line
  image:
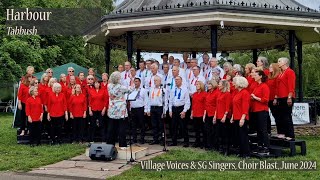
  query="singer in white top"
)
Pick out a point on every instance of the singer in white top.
point(204, 66)
point(179, 104)
point(156, 108)
point(170, 83)
point(171, 58)
point(142, 72)
point(197, 77)
point(214, 70)
point(184, 64)
point(126, 75)
point(149, 81)
point(182, 72)
point(164, 61)
point(139, 107)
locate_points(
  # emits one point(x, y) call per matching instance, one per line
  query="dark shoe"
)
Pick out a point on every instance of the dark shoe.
point(264, 151)
point(186, 145)
point(154, 142)
point(173, 144)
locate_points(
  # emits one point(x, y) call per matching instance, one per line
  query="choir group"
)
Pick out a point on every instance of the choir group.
point(224, 105)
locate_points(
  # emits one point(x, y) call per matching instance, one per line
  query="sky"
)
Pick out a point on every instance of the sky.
point(314, 4)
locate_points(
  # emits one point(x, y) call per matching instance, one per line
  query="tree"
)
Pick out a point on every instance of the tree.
point(18, 52)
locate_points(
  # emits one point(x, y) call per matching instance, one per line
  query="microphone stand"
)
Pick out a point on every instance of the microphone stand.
point(131, 160)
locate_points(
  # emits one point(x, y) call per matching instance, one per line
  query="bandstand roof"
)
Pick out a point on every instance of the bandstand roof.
point(184, 25)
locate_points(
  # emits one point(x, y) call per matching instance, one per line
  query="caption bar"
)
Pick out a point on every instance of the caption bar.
point(241, 165)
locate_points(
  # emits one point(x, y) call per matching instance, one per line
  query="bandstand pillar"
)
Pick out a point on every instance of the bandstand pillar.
point(129, 46)
point(214, 40)
point(107, 54)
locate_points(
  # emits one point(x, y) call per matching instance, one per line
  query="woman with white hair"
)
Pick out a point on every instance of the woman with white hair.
point(240, 115)
point(49, 72)
point(34, 112)
point(117, 110)
point(285, 97)
point(57, 112)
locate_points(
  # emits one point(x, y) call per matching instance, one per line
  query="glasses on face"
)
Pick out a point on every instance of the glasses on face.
point(36, 82)
point(188, 62)
point(90, 79)
point(71, 71)
point(50, 72)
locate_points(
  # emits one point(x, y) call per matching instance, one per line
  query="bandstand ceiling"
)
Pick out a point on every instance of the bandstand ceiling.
point(184, 25)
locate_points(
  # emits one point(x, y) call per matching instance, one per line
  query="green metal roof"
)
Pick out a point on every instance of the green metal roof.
point(64, 69)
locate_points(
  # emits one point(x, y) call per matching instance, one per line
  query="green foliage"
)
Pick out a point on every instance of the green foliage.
point(18, 52)
point(310, 70)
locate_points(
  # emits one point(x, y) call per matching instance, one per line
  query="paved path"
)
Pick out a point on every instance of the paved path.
point(81, 167)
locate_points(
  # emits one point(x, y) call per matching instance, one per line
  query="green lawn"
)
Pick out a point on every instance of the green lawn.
point(313, 153)
point(15, 157)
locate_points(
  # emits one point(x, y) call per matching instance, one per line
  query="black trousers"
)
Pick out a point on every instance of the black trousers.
point(24, 119)
point(285, 117)
point(199, 128)
point(242, 137)
point(137, 122)
point(45, 123)
point(183, 123)
point(156, 121)
point(275, 113)
point(262, 123)
point(252, 123)
point(97, 122)
point(78, 129)
point(56, 128)
point(67, 127)
point(209, 133)
point(223, 135)
point(117, 127)
point(35, 132)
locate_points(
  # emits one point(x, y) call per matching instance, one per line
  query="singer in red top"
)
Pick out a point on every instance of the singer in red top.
point(223, 124)
point(273, 102)
point(57, 112)
point(240, 115)
point(198, 112)
point(104, 83)
point(260, 109)
point(210, 106)
point(78, 112)
point(23, 95)
point(98, 103)
point(262, 64)
point(286, 95)
point(34, 111)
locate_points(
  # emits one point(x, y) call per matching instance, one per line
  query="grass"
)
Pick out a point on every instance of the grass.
point(15, 157)
point(313, 153)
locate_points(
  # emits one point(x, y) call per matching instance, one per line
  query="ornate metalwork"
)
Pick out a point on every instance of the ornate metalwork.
point(202, 32)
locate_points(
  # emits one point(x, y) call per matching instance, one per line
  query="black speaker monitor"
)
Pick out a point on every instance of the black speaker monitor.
point(107, 152)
